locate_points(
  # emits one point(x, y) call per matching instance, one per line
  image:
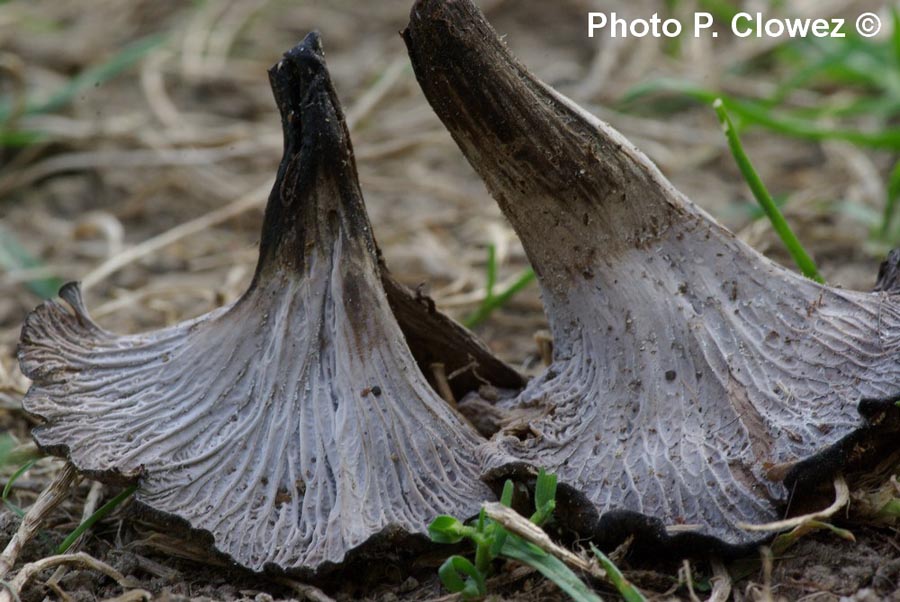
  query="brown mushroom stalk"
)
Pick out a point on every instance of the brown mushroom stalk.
point(695, 384)
point(293, 426)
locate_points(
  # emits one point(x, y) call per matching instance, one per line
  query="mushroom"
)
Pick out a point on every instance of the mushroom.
point(695, 384)
point(293, 426)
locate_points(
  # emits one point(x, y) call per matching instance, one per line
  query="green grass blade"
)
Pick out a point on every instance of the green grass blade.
point(755, 211)
point(122, 60)
point(452, 571)
point(544, 489)
point(803, 260)
point(864, 65)
point(19, 138)
point(882, 107)
point(758, 114)
point(96, 516)
point(893, 191)
point(550, 567)
point(506, 496)
point(450, 577)
point(628, 592)
point(489, 305)
point(761, 114)
point(895, 36)
point(7, 444)
point(13, 256)
point(499, 536)
point(544, 497)
point(491, 271)
point(7, 489)
point(808, 72)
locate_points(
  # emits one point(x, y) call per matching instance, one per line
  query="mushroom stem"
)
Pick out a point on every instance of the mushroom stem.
point(435, 338)
point(595, 197)
point(693, 380)
point(298, 215)
point(293, 426)
point(306, 211)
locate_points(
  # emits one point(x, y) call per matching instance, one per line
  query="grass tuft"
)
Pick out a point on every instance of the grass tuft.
point(469, 579)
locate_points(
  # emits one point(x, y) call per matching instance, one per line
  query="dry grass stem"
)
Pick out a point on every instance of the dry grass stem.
point(687, 577)
point(442, 383)
point(80, 559)
point(721, 582)
point(841, 499)
point(55, 492)
point(517, 524)
point(366, 103)
point(251, 200)
point(90, 506)
point(306, 591)
point(133, 595)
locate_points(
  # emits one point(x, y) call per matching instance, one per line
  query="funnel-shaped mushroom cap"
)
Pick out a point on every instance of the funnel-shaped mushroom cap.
point(690, 373)
point(294, 425)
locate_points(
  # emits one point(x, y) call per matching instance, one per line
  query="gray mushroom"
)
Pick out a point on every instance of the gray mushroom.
point(693, 381)
point(293, 426)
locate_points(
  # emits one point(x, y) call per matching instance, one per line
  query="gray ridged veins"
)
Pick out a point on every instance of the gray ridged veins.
point(690, 372)
point(294, 425)
point(251, 422)
point(679, 408)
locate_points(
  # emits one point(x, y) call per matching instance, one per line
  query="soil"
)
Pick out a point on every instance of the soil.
point(191, 127)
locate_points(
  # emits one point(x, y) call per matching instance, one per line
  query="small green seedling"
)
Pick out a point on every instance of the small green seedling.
point(628, 592)
point(494, 301)
point(492, 541)
point(457, 573)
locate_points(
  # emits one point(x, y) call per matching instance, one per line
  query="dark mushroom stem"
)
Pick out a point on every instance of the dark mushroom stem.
point(294, 426)
point(694, 382)
point(433, 337)
point(323, 133)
